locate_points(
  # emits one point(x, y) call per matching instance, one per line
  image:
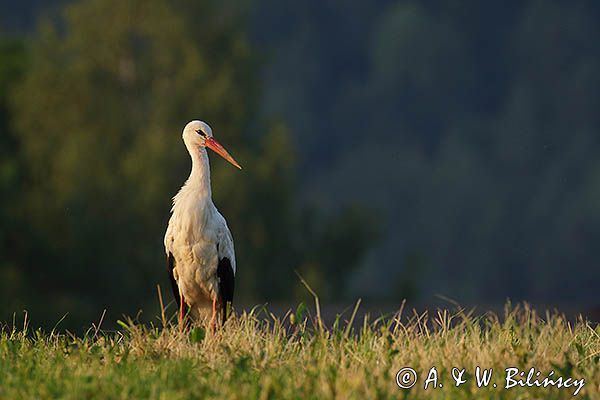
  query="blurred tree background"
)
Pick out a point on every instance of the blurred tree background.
point(391, 149)
point(97, 104)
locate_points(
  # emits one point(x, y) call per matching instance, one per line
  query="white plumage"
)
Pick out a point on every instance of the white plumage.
point(198, 243)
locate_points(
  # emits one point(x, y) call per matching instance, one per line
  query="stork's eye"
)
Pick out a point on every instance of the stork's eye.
point(200, 132)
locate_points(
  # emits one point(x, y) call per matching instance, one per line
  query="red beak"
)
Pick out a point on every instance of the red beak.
point(220, 150)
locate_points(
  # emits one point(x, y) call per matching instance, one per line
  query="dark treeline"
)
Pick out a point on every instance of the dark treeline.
point(471, 129)
point(93, 106)
point(391, 149)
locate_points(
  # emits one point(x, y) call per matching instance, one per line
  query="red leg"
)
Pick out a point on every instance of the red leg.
point(213, 320)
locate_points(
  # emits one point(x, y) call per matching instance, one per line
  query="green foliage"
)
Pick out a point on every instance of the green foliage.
point(197, 334)
point(298, 316)
point(460, 139)
point(98, 117)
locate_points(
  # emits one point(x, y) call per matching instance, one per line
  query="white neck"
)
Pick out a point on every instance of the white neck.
point(199, 178)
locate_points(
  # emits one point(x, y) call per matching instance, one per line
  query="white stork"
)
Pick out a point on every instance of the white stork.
point(199, 246)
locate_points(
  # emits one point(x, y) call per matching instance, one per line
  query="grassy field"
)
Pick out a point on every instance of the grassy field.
point(259, 356)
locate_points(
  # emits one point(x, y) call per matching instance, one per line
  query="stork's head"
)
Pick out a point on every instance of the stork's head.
point(198, 135)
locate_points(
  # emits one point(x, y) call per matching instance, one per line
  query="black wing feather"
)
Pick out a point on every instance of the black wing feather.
point(226, 284)
point(170, 267)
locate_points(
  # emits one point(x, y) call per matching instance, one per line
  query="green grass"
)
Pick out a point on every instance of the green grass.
point(258, 356)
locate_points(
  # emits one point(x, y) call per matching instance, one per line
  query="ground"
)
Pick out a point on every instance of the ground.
point(259, 356)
